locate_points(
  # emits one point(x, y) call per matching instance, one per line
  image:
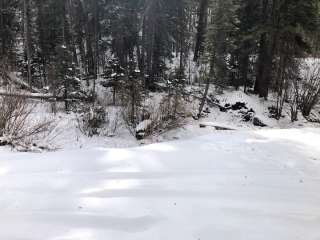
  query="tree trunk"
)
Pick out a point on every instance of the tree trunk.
point(27, 39)
point(96, 46)
point(204, 98)
point(268, 43)
point(201, 28)
point(262, 49)
point(2, 35)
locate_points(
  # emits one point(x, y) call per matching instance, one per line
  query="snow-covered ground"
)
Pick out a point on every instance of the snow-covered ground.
point(230, 185)
point(66, 133)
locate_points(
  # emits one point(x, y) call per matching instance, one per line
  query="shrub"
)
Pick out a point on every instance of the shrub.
point(16, 123)
point(92, 120)
point(309, 86)
point(168, 114)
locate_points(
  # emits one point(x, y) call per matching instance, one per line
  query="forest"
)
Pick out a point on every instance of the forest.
point(153, 59)
point(159, 119)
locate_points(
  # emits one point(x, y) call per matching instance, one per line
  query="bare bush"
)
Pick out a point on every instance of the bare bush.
point(99, 120)
point(4, 76)
point(302, 91)
point(168, 114)
point(16, 123)
point(293, 97)
point(92, 120)
point(309, 86)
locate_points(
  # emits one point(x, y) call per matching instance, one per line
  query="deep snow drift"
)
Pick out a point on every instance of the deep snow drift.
point(237, 185)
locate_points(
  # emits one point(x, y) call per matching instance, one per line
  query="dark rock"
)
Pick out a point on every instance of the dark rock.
point(207, 110)
point(257, 122)
point(5, 143)
point(140, 135)
point(239, 106)
point(234, 107)
point(248, 116)
point(223, 109)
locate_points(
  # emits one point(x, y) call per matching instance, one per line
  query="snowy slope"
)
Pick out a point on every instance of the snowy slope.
point(233, 119)
point(114, 133)
point(237, 185)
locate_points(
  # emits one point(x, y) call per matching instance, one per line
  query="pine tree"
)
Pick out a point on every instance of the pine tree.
point(202, 23)
point(8, 27)
point(245, 42)
point(220, 39)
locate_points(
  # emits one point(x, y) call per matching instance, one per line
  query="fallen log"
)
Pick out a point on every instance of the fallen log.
point(27, 95)
point(209, 101)
point(46, 97)
point(13, 79)
point(217, 126)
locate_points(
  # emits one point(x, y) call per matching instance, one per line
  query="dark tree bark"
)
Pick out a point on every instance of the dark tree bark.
point(204, 97)
point(27, 38)
point(268, 43)
point(201, 28)
point(262, 50)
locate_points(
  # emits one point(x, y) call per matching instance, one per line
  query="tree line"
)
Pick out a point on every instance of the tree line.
point(143, 44)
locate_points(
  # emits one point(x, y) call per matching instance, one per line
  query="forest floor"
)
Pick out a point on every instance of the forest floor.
point(67, 135)
point(231, 185)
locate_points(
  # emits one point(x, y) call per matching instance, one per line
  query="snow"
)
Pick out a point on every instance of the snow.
point(216, 125)
point(142, 126)
point(260, 106)
point(231, 185)
point(66, 133)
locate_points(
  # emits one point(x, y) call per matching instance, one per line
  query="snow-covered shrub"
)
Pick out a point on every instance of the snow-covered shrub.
point(100, 121)
point(172, 108)
point(92, 120)
point(168, 114)
point(144, 129)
